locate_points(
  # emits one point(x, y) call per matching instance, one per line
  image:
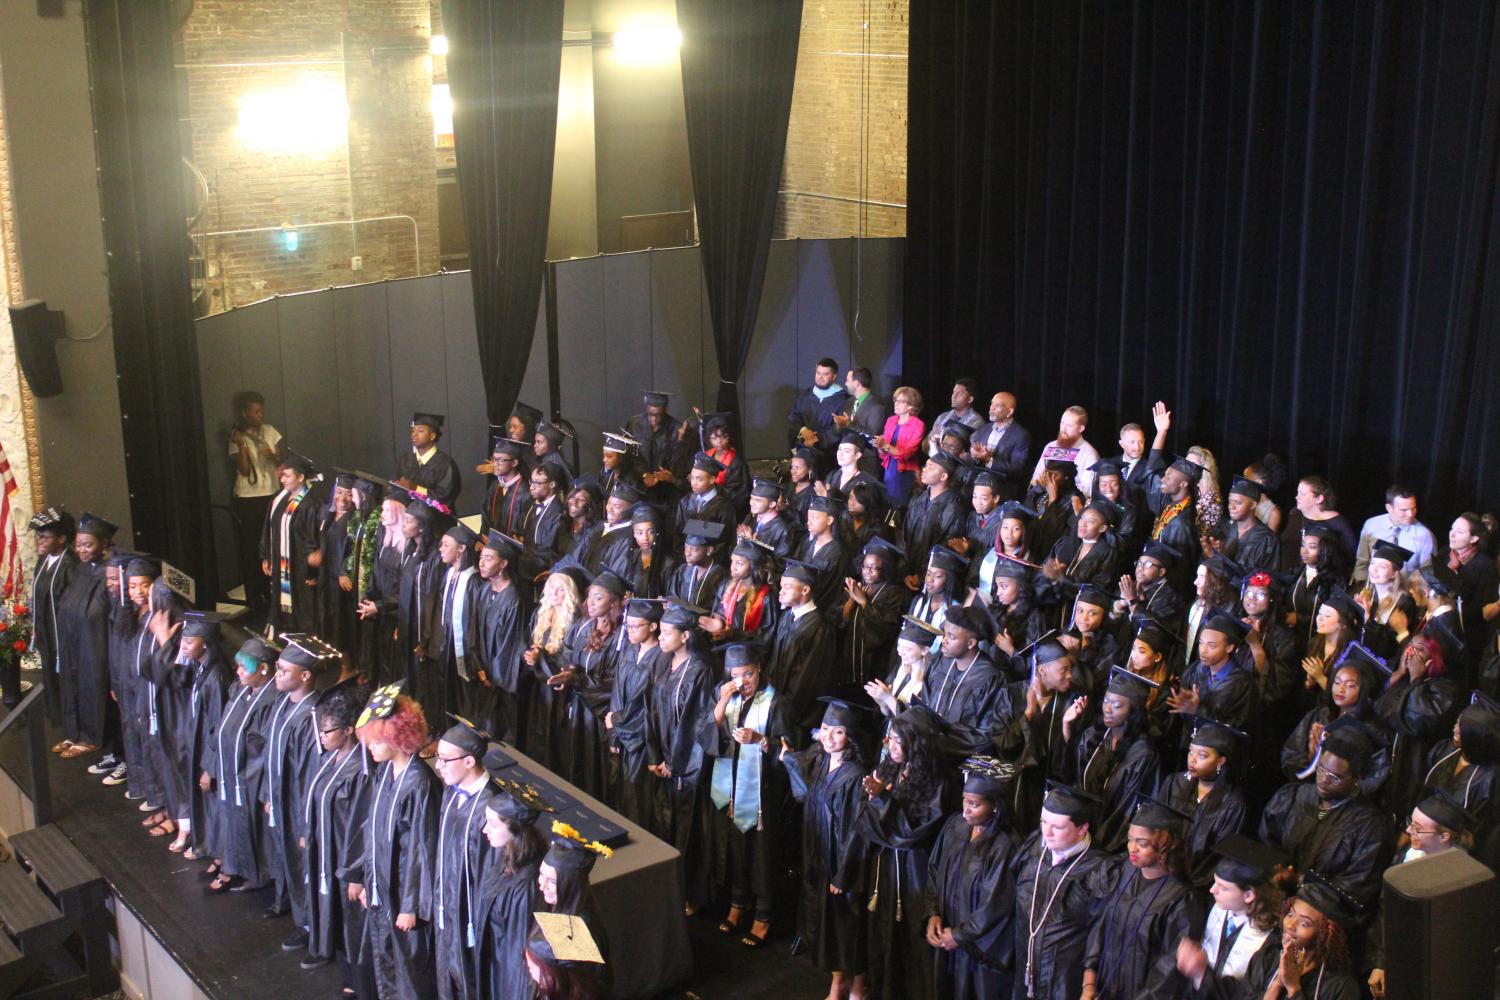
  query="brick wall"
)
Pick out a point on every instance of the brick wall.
point(371, 53)
point(848, 118)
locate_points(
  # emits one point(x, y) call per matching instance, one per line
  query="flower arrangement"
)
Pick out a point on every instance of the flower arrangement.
point(15, 627)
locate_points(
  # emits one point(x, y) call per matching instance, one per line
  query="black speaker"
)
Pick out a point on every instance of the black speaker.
point(1440, 928)
point(37, 331)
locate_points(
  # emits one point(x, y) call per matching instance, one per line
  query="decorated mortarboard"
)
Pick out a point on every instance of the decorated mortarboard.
point(645, 513)
point(1064, 800)
point(610, 582)
point(971, 619)
point(1110, 511)
point(1357, 654)
point(1189, 468)
point(1131, 685)
point(1240, 486)
point(766, 489)
point(1390, 552)
point(467, 737)
point(507, 547)
point(571, 851)
point(1443, 809)
point(562, 938)
point(202, 624)
point(704, 462)
point(520, 801)
point(1018, 510)
point(885, 549)
point(943, 558)
point(801, 571)
point(656, 397)
point(1329, 899)
point(1154, 814)
point(988, 776)
point(682, 615)
point(308, 651)
point(742, 654)
point(1245, 862)
point(702, 533)
point(1161, 553)
point(381, 704)
point(98, 527)
point(1346, 606)
point(627, 492)
point(1260, 578)
point(944, 461)
point(1218, 737)
point(51, 521)
point(464, 535)
point(916, 630)
point(752, 549)
point(1062, 466)
point(644, 608)
point(840, 712)
point(1226, 625)
point(830, 505)
point(1094, 596)
point(297, 462)
point(620, 443)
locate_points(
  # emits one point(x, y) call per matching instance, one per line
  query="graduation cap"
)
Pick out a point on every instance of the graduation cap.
point(971, 619)
point(943, 558)
point(527, 414)
point(143, 566)
point(623, 490)
point(1350, 739)
point(830, 505)
point(1131, 685)
point(202, 624)
point(742, 654)
point(1161, 553)
point(308, 651)
point(839, 712)
point(656, 397)
point(502, 445)
point(988, 776)
point(1446, 811)
point(1062, 466)
point(395, 491)
point(343, 480)
point(753, 549)
point(468, 737)
point(381, 705)
point(645, 513)
point(680, 614)
point(1154, 634)
point(51, 521)
point(1044, 649)
point(1347, 607)
point(958, 429)
point(1107, 467)
point(1154, 814)
point(1261, 579)
point(1390, 552)
point(766, 489)
point(507, 547)
point(257, 650)
point(1440, 580)
point(520, 801)
point(90, 524)
point(620, 443)
point(801, 571)
point(704, 462)
point(1110, 511)
point(464, 535)
point(1323, 895)
point(1011, 568)
point(1093, 596)
point(887, 550)
point(1240, 486)
point(1017, 510)
point(917, 631)
point(1064, 800)
point(1317, 529)
point(852, 437)
point(702, 533)
point(808, 455)
point(610, 582)
point(562, 938)
point(571, 851)
point(426, 513)
point(1359, 655)
point(297, 462)
point(552, 433)
point(717, 420)
point(1245, 862)
point(1189, 468)
point(1218, 737)
point(1225, 568)
point(432, 421)
point(944, 461)
point(1226, 625)
point(646, 609)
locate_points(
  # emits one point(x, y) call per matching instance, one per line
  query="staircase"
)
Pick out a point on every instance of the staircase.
point(55, 944)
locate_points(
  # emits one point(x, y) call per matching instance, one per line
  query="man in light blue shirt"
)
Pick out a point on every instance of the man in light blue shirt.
point(1398, 524)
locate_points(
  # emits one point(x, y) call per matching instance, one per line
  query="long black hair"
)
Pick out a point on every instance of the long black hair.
point(920, 775)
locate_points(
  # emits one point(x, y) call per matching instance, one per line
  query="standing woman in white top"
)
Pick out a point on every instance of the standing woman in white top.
point(255, 450)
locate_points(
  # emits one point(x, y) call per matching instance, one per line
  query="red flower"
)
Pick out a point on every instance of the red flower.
point(18, 646)
point(21, 609)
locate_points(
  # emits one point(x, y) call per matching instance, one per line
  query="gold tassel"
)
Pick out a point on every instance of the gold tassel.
point(875, 896)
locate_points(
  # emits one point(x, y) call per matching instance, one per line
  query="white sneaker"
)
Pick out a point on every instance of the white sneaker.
point(104, 765)
point(117, 776)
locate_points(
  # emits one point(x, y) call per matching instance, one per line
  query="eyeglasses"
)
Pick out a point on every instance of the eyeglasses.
point(1412, 827)
point(450, 760)
point(1333, 774)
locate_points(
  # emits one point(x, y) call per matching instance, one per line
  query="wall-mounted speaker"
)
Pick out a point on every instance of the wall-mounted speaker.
point(37, 331)
point(1440, 928)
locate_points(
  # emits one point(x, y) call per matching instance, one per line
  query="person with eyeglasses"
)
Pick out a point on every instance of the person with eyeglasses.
point(463, 856)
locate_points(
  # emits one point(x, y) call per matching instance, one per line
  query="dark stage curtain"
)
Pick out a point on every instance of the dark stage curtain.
point(504, 59)
point(151, 307)
point(1279, 217)
point(738, 63)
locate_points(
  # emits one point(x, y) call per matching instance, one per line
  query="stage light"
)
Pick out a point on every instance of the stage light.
point(290, 238)
point(442, 113)
point(439, 45)
point(647, 43)
point(310, 118)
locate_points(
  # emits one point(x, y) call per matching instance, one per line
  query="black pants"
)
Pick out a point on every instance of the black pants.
point(250, 520)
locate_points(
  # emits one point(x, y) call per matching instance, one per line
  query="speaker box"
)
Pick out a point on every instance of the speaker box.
point(1440, 928)
point(37, 331)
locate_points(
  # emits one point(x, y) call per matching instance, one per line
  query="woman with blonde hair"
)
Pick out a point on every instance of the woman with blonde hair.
point(900, 444)
point(552, 622)
point(1210, 510)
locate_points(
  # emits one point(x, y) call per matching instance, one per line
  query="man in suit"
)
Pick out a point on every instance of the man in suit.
point(863, 412)
point(1132, 462)
point(1004, 448)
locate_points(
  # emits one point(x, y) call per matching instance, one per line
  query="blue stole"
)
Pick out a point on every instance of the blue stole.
point(739, 788)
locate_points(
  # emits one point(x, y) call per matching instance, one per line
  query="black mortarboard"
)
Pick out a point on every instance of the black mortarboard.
point(830, 505)
point(1155, 814)
point(1215, 735)
point(1446, 811)
point(703, 533)
point(552, 433)
point(944, 461)
point(958, 429)
point(298, 463)
point(610, 582)
point(971, 619)
point(1440, 579)
point(1162, 553)
point(841, 713)
point(1328, 899)
point(464, 535)
point(343, 480)
point(1352, 740)
point(1107, 509)
point(259, 649)
point(529, 415)
point(681, 614)
point(885, 549)
point(430, 420)
point(656, 397)
point(1017, 510)
point(917, 631)
point(51, 521)
point(574, 570)
point(509, 446)
point(755, 551)
point(1390, 552)
point(1246, 863)
point(89, 524)
point(1047, 650)
point(1012, 568)
point(800, 571)
point(508, 548)
point(1130, 685)
point(1064, 800)
point(1359, 655)
point(989, 776)
point(1154, 633)
point(620, 442)
point(704, 462)
point(143, 566)
point(766, 489)
point(644, 513)
point(742, 654)
point(1246, 488)
point(1107, 467)
point(1227, 625)
point(1189, 468)
point(202, 624)
point(851, 437)
point(1094, 596)
point(645, 609)
point(1225, 568)
point(1317, 529)
point(467, 737)
point(627, 492)
point(943, 558)
point(1347, 607)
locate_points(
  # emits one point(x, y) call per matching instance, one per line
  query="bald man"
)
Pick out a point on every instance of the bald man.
point(1004, 447)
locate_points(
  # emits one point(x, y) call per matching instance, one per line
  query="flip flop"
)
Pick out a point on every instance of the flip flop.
point(177, 846)
point(191, 854)
point(211, 871)
point(163, 829)
point(223, 883)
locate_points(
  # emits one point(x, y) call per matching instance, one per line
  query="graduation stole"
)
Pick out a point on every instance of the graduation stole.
point(360, 562)
point(284, 549)
point(1168, 515)
point(739, 788)
point(755, 605)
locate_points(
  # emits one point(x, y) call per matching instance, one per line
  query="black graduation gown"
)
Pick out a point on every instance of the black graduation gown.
point(1258, 550)
point(717, 508)
point(1137, 923)
point(416, 620)
point(463, 854)
point(637, 672)
point(1166, 983)
point(439, 477)
point(898, 834)
point(930, 522)
point(867, 637)
point(1349, 846)
point(802, 665)
point(832, 926)
point(383, 659)
point(83, 653)
point(50, 581)
point(814, 413)
point(649, 582)
point(500, 639)
point(745, 860)
point(298, 577)
point(828, 592)
point(400, 866)
point(1420, 716)
point(1036, 744)
point(980, 531)
point(695, 585)
point(1295, 758)
point(1321, 983)
point(610, 549)
point(451, 673)
point(964, 699)
point(678, 703)
point(1161, 601)
point(172, 687)
point(1051, 939)
point(333, 816)
point(1232, 699)
point(213, 685)
point(658, 447)
point(1117, 774)
point(292, 750)
point(543, 708)
point(544, 533)
point(504, 508)
point(585, 703)
point(126, 686)
point(751, 612)
point(1220, 813)
point(238, 765)
point(1054, 520)
point(775, 532)
point(506, 904)
point(1473, 788)
point(1097, 566)
point(971, 886)
point(336, 620)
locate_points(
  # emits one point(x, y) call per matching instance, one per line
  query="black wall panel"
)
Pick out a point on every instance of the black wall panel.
point(360, 341)
point(466, 432)
point(310, 377)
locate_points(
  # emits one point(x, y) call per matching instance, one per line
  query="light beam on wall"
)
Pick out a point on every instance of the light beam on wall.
point(310, 118)
point(438, 45)
point(647, 43)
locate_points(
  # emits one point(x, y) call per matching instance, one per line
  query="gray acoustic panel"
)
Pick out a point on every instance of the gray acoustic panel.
point(418, 355)
point(773, 376)
point(466, 434)
point(218, 380)
point(875, 336)
point(581, 353)
point(825, 303)
point(679, 329)
point(260, 359)
point(535, 388)
point(310, 376)
point(359, 339)
point(627, 336)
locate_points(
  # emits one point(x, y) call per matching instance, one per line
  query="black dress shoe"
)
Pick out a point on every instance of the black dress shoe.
point(275, 910)
point(296, 941)
point(314, 962)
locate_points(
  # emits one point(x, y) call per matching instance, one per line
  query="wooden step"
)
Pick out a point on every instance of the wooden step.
point(54, 859)
point(24, 909)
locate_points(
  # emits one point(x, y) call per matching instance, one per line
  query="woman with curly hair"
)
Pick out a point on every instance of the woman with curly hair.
point(1148, 910)
point(394, 880)
point(898, 821)
point(552, 624)
point(1209, 510)
point(1313, 960)
point(1019, 622)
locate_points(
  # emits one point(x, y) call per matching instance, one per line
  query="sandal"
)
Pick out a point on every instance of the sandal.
point(221, 883)
point(754, 940)
point(77, 750)
point(731, 922)
point(212, 870)
point(177, 846)
point(157, 818)
point(60, 747)
point(165, 828)
point(191, 854)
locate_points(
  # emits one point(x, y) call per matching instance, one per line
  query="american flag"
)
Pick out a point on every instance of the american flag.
point(10, 541)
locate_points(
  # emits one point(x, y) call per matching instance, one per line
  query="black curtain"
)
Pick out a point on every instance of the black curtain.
point(142, 192)
point(738, 63)
point(1279, 217)
point(504, 59)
